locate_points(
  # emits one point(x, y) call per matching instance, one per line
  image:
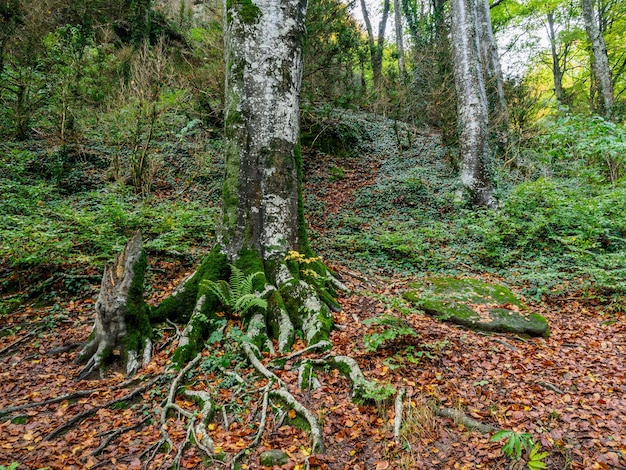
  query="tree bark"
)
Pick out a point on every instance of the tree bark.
point(471, 103)
point(600, 63)
point(122, 321)
point(376, 45)
point(399, 38)
point(262, 228)
point(557, 72)
point(491, 61)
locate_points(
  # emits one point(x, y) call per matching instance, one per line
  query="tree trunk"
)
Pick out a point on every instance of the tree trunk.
point(262, 225)
point(471, 103)
point(122, 321)
point(557, 72)
point(600, 63)
point(491, 62)
point(376, 45)
point(399, 38)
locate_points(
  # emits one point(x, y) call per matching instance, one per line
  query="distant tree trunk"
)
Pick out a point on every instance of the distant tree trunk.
point(471, 103)
point(491, 61)
point(376, 45)
point(557, 72)
point(399, 38)
point(600, 63)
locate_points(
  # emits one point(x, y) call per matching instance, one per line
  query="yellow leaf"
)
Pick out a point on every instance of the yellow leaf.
point(28, 437)
point(291, 414)
point(217, 449)
point(212, 426)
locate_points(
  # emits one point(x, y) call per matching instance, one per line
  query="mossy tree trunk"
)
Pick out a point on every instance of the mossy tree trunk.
point(262, 222)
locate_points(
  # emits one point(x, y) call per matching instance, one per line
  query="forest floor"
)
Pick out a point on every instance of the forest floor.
point(568, 391)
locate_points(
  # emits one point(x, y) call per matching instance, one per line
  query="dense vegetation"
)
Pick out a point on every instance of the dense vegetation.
point(112, 116)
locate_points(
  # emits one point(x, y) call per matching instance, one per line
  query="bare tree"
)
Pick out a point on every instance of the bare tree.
point(399, 39)
point(472, 110)
point(376, 44)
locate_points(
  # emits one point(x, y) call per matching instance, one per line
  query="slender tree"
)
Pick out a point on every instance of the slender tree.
point(471, 98)
point(557, 60)
point(600, 62)
point(491, 60)
point(399, 37)
point(376, 44)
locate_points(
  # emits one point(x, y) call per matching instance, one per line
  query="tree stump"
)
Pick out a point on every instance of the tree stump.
point(122, 321)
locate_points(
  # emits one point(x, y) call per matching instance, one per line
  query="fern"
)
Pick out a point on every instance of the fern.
point(237, 295)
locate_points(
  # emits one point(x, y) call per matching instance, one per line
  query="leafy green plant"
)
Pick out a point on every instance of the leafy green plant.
point(12, 466)
point(516, 442)
point(393, 328)
point(239, 294)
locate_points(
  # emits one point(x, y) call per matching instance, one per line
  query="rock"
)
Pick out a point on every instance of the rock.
point(476, 305)
point(274, 457)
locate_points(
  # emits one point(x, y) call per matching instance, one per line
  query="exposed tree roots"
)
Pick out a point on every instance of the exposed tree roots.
point(269, 303)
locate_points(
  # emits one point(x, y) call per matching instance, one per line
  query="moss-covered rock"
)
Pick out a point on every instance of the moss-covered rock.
point(272, 458)
point(476, 305)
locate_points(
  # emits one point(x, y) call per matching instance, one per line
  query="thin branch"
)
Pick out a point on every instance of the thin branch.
point(80, 416)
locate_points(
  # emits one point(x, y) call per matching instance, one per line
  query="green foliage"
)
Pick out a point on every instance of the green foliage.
point(239, 294)
point(376, 392)
point(583, 146)
point(43, 226)
point(535, 458)
point(12, 466)
point(393, 328)
point(515, 443)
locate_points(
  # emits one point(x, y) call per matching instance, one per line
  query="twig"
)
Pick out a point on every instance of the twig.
point(506, 344)
point(21, 340)
point(80, 416)
point(319, 344)
point(115, 433)
point(549, 386)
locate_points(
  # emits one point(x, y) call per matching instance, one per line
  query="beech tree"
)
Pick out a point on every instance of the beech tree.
point(600, 63)
point(471, 99)
point(491, 62)
point(262, 271)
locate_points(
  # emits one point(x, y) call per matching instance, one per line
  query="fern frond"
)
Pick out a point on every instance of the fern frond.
point(247, 301)
point(221, 289)
point(237, 281)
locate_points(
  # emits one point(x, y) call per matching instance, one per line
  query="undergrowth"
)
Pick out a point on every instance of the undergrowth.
point(559, 229)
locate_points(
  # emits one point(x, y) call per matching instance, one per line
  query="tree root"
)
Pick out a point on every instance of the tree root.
point(85, 414)
point(113, 434)
point(17, 342)
point(461, 418)
point(397, 418)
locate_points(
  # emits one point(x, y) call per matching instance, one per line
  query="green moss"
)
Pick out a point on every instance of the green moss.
point(275, 307)
point(303, 239)
point(476, 305)
point(248, 12)
point(137, 317)
point(179, 307)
